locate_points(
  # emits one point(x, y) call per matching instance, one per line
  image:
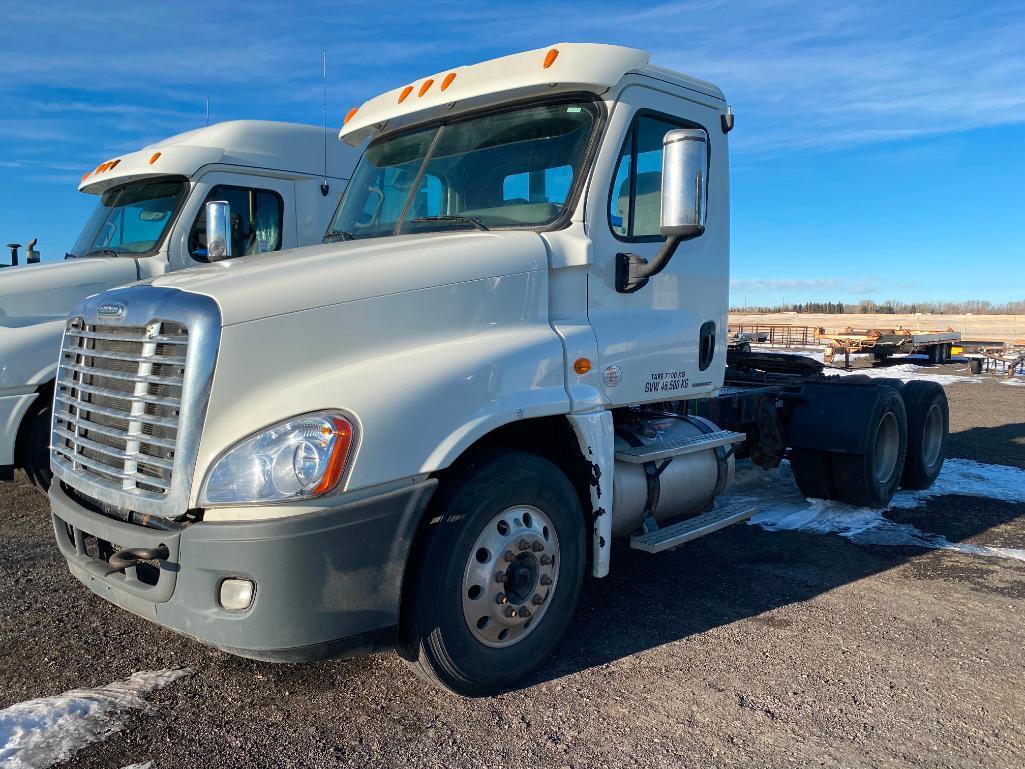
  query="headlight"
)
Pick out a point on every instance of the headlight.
point(303, 457)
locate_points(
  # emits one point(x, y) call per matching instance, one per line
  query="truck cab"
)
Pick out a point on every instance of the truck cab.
point(149, 219)
point(510, 349)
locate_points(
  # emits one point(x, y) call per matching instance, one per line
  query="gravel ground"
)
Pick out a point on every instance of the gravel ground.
point(746, 648)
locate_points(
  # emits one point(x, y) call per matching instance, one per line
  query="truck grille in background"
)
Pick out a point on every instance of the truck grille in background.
point(118, 400)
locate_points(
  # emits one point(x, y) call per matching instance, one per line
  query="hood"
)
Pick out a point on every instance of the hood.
point(34, 293)
point(264, 285)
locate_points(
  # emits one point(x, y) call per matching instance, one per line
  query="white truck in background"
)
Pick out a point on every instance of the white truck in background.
point(511, 349)
point(282, 184)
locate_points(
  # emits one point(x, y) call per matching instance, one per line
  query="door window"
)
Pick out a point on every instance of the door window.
point(256, 221)
point(635, 205)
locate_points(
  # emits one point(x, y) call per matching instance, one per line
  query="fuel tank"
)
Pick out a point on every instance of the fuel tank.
point(688, 483)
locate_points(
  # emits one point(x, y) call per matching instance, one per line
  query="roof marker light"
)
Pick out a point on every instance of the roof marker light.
point(426, 86)
point(550, 57)
point(448, 80)
point(154, 158)
point(85, 175)
point(114, 164)
point(351, 115)
point(405, 92)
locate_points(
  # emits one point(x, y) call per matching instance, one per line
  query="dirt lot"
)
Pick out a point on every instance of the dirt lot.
point(999, 328)
point(746, 648)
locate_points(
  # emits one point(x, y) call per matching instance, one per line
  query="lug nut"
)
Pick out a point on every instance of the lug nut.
point(510, 611)
point(538, 547)
point(524, 612)
point(500, 577)
point(524, 545)
point(501, 598)
point(509, 556)
point(547, 560)
point(546, 580)
point(537, 599)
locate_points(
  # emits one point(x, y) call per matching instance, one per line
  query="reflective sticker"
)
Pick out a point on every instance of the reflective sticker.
point(612, 376)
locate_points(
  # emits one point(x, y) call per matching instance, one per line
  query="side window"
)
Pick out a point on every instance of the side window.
point(256, 221)
point(635, 205)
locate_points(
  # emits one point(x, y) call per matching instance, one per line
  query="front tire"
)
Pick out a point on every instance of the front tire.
point(37, 450)
point(497, 574)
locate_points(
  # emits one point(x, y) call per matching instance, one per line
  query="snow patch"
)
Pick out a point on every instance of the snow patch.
point(41, 732)
point(907, 372)
point(781, 507)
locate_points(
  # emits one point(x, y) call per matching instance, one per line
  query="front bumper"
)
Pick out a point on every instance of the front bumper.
point(327, 583)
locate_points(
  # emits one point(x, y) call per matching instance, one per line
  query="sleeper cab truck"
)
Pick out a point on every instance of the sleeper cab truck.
point(149, 220)
point(423, 433)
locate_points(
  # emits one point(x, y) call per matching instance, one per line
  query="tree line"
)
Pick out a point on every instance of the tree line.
point(894, 307)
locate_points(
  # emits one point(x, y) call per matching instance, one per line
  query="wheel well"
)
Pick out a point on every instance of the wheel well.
point(548, 437)
point(43, 401)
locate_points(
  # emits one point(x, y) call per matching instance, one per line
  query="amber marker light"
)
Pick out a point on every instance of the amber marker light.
point(582, 365)
point(154, 158)
point(448, 80)
point(351, 115)
point(85, 176)
point(550, 57)
point(426, 86)
point(339, 455)
point(405, 92)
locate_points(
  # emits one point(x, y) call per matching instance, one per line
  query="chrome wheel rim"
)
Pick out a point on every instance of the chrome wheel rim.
point(510, 576)
point(886, 448)
point(932, 437)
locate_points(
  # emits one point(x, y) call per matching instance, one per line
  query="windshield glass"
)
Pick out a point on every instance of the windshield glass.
point(508, 169)
point(131, 219)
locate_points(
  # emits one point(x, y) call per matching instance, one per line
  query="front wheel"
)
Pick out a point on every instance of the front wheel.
point(37, 450)
point(497, 574)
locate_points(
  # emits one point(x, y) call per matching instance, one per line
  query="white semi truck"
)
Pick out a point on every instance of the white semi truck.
point(149, 220)
point(422, 434)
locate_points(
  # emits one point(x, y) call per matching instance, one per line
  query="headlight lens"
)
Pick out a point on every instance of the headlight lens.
point(301, 458)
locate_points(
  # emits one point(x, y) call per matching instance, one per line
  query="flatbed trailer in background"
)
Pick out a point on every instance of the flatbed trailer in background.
point(884, 342)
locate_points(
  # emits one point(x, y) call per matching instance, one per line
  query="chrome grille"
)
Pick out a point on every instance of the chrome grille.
point(118, 403)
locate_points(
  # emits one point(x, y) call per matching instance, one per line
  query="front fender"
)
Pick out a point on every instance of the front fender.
point(425, 372)
point(28, 355)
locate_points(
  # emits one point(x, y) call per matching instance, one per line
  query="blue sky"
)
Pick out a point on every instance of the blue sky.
point(879, 148)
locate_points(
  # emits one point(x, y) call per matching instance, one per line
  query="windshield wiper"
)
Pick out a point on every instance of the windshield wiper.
point(69, 255)
point(104, 252)
point(452, 218)
point(340, 234)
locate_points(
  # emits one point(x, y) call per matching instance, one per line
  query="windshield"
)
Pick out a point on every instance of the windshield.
point(508, 169)
point(131, 219)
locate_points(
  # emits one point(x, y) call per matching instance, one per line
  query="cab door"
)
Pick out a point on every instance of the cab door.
point(262, 216)
point(666, 341)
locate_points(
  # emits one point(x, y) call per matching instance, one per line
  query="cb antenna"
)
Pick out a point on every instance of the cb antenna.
point(208, 110)
point(324, 186)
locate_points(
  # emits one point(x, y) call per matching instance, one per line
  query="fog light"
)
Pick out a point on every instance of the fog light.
point(237, 594)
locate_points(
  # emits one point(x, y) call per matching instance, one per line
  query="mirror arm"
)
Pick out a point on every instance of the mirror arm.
point(634, 271)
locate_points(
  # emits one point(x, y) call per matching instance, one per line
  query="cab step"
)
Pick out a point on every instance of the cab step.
point(677, 533)
point(640, 454)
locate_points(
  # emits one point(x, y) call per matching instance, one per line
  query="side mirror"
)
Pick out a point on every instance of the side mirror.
point(684, 192)
point(684, 182)
point(218, 230)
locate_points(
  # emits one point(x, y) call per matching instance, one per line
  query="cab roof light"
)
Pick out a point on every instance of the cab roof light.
point(405, 92)
point(154, 158)
point(86, 175)
point(550, 57)
point(448, 80)
point(114, 163)
point(426, 86)
point(351, 115)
